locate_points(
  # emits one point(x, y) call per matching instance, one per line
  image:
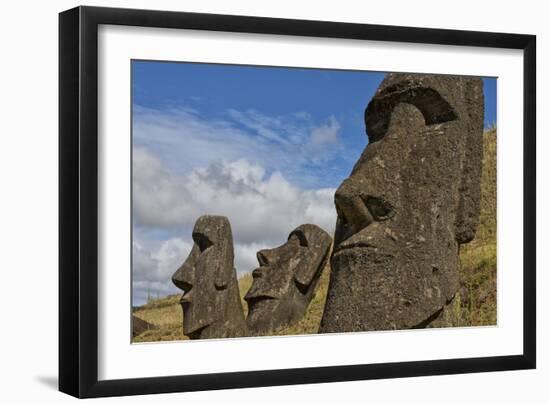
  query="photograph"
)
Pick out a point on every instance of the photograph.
point(276, 201)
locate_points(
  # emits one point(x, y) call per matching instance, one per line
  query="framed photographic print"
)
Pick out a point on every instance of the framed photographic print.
point(251, 201)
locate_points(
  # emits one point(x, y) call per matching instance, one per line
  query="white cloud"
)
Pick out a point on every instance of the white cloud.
point(265, 126)
point(185, 139)
point(260, 207)
point(303, 115)
point(326, 133)
point(262, 172)
point(153, 266)
point(263, 209)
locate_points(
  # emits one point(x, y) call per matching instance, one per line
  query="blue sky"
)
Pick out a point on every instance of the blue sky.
point(264, 146)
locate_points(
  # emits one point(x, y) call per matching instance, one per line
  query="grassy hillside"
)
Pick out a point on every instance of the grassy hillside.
point(475, 304)
point(476, 301)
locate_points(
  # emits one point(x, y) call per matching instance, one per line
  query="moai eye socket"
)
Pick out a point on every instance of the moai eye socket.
point(433, 106)
point(379, 208)
point(262, 258)
point(202, 241)
point(300, 236)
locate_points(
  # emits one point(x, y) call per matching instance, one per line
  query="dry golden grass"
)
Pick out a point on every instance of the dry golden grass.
point(166, 315)
point(478, 277)
point(476, 302)
point(474, 305)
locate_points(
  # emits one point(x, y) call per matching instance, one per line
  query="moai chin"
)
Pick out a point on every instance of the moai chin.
point(410, 201)
point(211, 302)
point(283, 285)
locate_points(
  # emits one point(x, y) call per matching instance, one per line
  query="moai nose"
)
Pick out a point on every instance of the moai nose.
point(353, 214)
point(183, 278)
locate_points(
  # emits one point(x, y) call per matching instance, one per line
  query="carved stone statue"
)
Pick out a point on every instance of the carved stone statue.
point(211, 301)
point(410, 201)
point(284, 283)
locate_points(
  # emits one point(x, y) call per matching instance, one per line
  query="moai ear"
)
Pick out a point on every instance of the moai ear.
point(223, 275)
point(224, 271)
point(467, 216)
point(317, 242)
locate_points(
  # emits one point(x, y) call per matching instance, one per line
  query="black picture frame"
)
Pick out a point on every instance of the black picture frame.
point(78, 200)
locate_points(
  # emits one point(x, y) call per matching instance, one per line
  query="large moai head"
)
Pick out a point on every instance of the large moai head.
point(284, 283)
point(211, 303)
point(411, 200)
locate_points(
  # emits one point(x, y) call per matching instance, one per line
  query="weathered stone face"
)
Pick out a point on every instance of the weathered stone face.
point(410, 201)
point(211, 302)
point(283, 285)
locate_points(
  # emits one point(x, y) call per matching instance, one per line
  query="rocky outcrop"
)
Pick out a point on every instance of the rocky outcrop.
point(139, 326)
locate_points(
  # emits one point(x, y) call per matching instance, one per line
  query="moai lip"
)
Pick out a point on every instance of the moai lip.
point(284, 283)
point(211, 302)
point(412, 198)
